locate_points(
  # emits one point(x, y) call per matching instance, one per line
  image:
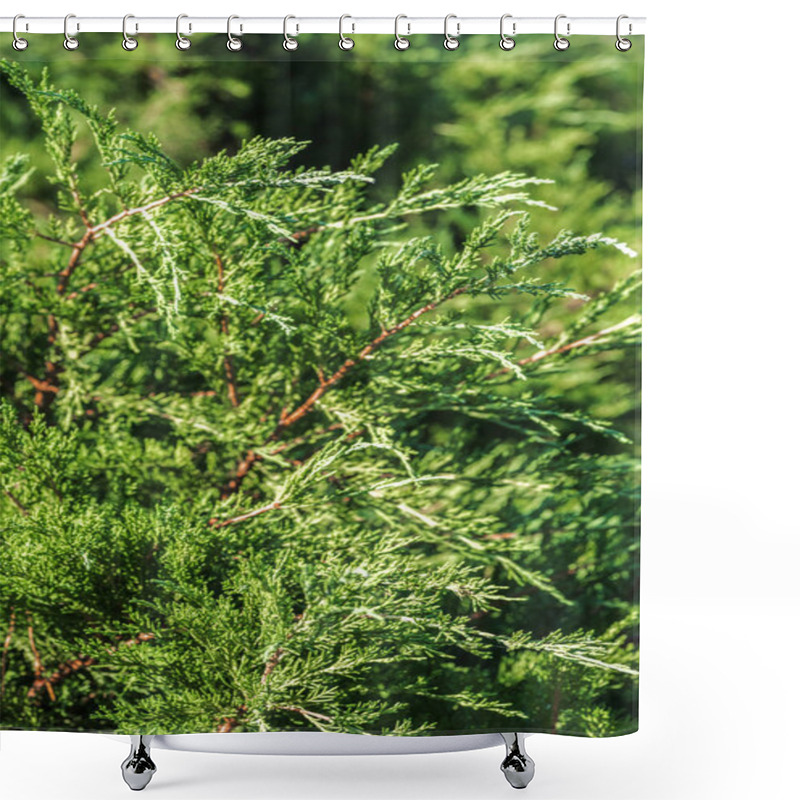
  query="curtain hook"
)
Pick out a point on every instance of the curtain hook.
point(506, 42)
point(400, 42)
point(18, 43)
point(345, 42)
point(128, 42)
point(623, 45)
point(233, 44)
point(70, 42)
point(451, 42)
point(561, 43)
point(181, 42)
point(288, 42)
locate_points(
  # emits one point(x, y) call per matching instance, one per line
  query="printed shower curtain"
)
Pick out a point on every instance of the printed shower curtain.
point(319, 386)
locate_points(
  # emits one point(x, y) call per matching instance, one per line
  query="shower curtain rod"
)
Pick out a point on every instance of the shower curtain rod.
point(406, 25)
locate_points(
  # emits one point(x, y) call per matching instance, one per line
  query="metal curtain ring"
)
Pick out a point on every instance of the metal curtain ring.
point(451, 42)
point(506, 42)
point(560, 43)
point(18, 43)
point(288, 42)
point(623, 45)
point(345, 42)
point(233, 44)
point(181, 42)
point(70, 42)
point(128, 42)
point(400, 42)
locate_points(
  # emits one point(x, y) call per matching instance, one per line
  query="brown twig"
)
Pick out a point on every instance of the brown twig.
point(52, 239)
point(43, 399)
point(215, 523)
point(10, 495)
point(305, 712)
point(242, 468)
point(67, 668)
point(95, 230)
point(6, 644)
point(37, 663)
point(558, 349)
point(78, 202)
point(89, 286)
point(64, 670)
point(326, 385)
point(279, 653)
point(299, 238)
point(252, 458)
point(74, 260)
point(230, 372)
point(229, 723)
point(287, 419)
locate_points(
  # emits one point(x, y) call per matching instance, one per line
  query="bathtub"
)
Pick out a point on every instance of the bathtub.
point(139, 767)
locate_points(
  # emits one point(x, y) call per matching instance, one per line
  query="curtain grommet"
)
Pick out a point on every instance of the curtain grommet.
point(18, 43)
point(451, 42)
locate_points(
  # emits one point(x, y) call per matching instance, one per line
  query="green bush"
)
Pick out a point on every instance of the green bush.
point(296, 447)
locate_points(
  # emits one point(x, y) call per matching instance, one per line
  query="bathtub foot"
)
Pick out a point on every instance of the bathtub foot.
point(138, 768)
point(517, 766)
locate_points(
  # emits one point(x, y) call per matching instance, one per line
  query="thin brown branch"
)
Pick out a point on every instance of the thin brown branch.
point(564, 348)
point(6, 644)
point(305, 712)
point(74, 260)
point(95, 230)
point(326, 385)
point(272, 662)
point(79, 202)
point(279, 653)
point(287, 419)
point(43, 399)
point(252, 458)
point(230, 372)
point(242, 468)
point(15, 500)
point(89, 286)
point(216, 523)
point(229, 723)
point(37, 663)
point(67, 668)
point(63, 671)
point(299, 238)
point(52, 239)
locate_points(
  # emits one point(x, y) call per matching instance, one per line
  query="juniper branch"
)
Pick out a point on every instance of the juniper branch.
point(37, 662)
point(593, 338)
point(215, 523)
point(326, 385)
point(67, 668)
point(6, 645)
point(230, 373)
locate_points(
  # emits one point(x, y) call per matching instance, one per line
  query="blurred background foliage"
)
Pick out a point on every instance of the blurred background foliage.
point(573, 117)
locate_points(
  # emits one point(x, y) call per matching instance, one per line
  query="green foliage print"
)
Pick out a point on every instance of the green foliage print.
point(277, 455)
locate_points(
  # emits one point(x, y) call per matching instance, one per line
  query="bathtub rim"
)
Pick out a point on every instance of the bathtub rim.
point(320, 743)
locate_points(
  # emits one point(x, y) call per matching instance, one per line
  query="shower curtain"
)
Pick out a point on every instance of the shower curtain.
point(319, 386)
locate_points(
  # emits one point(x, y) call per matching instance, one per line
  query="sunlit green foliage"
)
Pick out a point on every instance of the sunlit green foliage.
point(278, 452)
